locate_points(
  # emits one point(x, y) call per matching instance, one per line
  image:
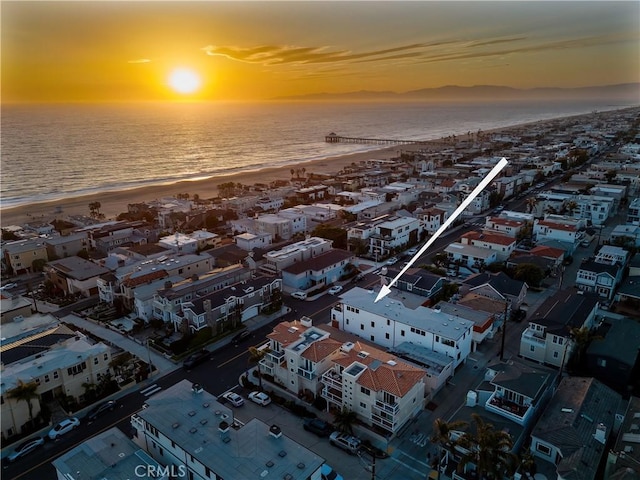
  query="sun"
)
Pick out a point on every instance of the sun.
point(184, 81)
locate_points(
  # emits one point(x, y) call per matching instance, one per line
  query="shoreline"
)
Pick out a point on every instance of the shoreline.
point(116, 201)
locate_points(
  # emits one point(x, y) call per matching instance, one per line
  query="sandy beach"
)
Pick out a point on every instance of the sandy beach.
point(114, 203)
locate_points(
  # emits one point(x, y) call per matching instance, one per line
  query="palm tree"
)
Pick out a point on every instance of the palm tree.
point(571, 206)
point(255, 356)
point(344, 420)
point(27, 392)
point(489, 450)
point(441, 436)
point(531, 204)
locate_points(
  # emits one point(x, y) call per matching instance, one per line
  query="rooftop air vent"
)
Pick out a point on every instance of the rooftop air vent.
point(275, 431)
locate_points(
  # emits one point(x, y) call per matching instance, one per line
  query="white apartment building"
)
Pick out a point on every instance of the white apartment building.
point(389, 323)
point(502, 244)
point(470, 256)
point(432, 219)
point(277, 260)
point(188, 428)
point(191, 243)
point(394, 233)
point(350, 375)
point(504, 225)
point(248, 241)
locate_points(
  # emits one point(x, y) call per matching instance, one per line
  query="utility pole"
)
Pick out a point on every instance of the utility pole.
point(504, 328)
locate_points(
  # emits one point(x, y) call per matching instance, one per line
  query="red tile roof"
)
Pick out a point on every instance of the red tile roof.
point(558, 226)
point(146, 278)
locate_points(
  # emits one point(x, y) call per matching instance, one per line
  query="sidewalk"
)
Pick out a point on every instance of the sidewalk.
point(115, 338)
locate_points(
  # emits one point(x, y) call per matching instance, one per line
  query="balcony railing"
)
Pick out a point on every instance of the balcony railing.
point(332, 395)
point(391, 408)
point(333, 379)
point(507, 408)
point(308, 374)
point(529, 335)
point(385, 423)
point(275, 357)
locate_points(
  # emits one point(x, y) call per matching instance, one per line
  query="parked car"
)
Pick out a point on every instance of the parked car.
point(412, 251)
point(240, 337)
point(260, 398)
point(358, 278)
point(234, 399)
point(196, 359)
point(299, 295)
point(348, 443)
point(65, 426)
point(25, 448)
point(328, 473)
point(317, 426)
point(98, 410)
point(335, 289)
point(7, 286)
point(392, 261)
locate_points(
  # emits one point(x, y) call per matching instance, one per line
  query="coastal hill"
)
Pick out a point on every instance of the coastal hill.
point(624, 91)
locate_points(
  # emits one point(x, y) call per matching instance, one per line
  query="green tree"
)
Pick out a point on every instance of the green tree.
point(94, 210)
point(336, 234)
point(25, 392)
point(529, 273)
point(489, 450)
point(441, 437)
point(344, 420)
point(255, 356)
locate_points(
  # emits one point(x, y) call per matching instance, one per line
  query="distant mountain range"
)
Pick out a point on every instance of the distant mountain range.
point(624, 91)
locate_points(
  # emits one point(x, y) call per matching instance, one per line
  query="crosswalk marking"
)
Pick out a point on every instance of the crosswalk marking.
point(150, 390)
point(419, 439)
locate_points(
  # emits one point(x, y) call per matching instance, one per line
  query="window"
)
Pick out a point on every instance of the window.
point(373, 338)
point(388, 322)
point(543, 449)
point(365, 390)
point(95, 360)
point(361, 326)
point(532, 348)
point(363, 405)
point(55, 374)
point(555, 354)
point(105, 357)
point(601, 362)
point(386, 335)
point(373, 324)
point(46, 378)
point(402, 333)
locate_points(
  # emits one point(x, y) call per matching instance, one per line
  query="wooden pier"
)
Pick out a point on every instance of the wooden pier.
point(333, 138)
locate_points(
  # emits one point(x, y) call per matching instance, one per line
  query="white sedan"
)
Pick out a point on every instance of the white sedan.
point(260, 398)
point(335, 289)
point(234, 399)
point(63, 427)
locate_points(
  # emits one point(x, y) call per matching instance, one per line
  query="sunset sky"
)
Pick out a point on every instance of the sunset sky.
point(126, 51)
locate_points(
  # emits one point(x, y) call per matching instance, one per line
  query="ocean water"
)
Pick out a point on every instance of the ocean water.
point(50, 152)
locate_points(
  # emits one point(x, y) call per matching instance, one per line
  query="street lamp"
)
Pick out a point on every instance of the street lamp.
point(149, 357)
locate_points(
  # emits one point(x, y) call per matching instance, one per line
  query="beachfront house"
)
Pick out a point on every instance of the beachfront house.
point(548, 338)
point(389, 323)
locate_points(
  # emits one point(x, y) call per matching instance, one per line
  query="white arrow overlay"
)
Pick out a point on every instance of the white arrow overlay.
point(386, 289)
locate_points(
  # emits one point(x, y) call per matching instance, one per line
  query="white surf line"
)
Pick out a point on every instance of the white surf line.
point(386, 289)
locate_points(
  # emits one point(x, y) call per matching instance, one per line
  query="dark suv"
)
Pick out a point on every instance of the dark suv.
point(196, 359)
point(317, 426)
point(240, 337)
point(98, 410)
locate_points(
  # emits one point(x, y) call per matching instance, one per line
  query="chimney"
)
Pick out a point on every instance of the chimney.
point(275, 431)
point(306, 321)
point(601, 433)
